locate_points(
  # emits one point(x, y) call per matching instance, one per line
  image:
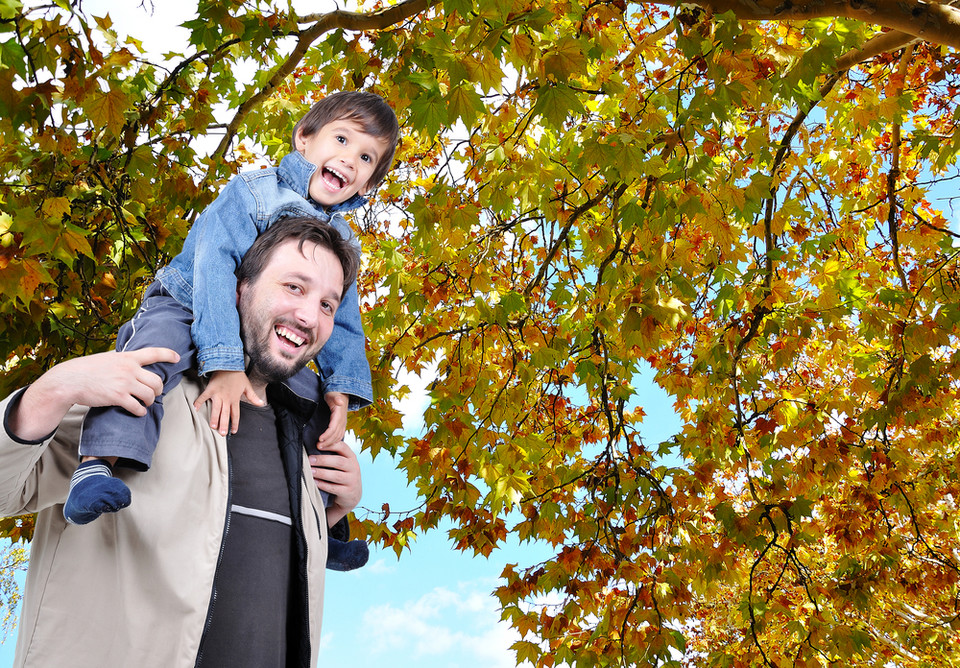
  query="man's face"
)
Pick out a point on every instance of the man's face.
point(345, 156)
point(286, 313)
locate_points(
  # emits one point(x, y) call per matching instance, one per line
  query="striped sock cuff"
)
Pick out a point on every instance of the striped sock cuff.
point(90, 469)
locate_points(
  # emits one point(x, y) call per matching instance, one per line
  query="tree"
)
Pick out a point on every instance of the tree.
point(736, 201)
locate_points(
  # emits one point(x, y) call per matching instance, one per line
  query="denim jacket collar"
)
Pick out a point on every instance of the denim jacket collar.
point(295, 171)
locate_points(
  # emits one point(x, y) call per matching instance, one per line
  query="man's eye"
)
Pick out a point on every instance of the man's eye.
point(293, 287)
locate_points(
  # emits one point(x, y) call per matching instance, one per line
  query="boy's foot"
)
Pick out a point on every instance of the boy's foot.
point(94, 491)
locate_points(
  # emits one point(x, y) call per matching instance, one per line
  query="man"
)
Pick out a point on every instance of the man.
point(220, 561)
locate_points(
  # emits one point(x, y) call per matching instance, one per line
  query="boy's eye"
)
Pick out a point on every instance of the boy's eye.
point(366, 158)
point(341, 139)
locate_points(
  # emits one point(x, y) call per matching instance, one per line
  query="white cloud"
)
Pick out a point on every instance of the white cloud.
point(380, 567)
point(464, 623)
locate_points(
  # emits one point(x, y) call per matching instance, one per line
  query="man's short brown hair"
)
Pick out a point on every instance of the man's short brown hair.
point(303, 229)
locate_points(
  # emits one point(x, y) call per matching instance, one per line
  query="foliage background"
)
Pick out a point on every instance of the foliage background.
point(585, 194)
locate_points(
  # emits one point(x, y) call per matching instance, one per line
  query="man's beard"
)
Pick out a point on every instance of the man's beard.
point(263, 366)
point(270, 369)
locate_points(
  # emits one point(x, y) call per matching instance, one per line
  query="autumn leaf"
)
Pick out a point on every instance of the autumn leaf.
point(106, 110)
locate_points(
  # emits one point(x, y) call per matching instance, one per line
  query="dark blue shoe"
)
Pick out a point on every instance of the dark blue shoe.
point(93, 492)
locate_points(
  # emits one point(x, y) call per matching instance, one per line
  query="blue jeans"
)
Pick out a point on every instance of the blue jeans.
point(165, 322)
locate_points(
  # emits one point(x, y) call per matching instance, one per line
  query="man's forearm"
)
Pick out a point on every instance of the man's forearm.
point(38, 413)
point(106, 379)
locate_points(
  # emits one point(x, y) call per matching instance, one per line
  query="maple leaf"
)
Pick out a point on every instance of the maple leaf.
point(107, 110)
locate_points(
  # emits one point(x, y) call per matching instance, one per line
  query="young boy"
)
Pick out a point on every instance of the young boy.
point(342, 149)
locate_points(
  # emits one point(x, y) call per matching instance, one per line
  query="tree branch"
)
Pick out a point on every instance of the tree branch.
point(338, 19)
point(933, 22)
point(894, 175)
point(882, 43)
point(562, 237)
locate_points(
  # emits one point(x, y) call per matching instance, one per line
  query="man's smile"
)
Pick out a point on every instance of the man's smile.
point(288, 335)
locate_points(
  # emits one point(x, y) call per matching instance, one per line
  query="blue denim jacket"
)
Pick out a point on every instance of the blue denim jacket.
point(202, 276)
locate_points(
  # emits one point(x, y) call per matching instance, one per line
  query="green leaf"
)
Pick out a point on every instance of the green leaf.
point(557, 103)
point(465, 104)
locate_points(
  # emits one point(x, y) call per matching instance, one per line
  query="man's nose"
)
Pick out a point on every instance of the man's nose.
point(307, 313)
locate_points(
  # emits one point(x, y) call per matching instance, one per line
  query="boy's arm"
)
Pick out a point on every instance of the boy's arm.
point(343, 360)
point(225, 231)
point(337, 402)
point(224, 392)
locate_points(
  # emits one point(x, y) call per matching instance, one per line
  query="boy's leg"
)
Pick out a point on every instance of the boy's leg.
point(113, 432)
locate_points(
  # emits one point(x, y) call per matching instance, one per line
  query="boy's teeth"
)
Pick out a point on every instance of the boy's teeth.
point(342, 180)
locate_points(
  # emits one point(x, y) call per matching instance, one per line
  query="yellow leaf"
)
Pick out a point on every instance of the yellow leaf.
point(106, 110)
point(75, 244)
point(523, 49)
point(56, 207)
point(566, 60)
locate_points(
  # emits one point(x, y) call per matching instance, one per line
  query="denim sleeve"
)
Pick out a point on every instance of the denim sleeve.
point(225, 231)
point(343, 360)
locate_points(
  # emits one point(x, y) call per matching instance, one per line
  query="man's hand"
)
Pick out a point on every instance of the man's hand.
point(224, 392)
point(105, 379)
point(337, 472)
point(337, 401)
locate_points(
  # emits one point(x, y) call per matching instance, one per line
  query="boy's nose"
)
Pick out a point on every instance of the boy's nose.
point(348, 160)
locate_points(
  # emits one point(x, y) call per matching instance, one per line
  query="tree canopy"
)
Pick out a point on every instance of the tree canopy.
point(745, 203)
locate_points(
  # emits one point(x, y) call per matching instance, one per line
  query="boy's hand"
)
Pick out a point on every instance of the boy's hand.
point(337, 401)
point(224, 392)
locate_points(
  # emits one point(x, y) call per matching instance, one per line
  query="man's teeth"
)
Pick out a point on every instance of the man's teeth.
point(290, 336)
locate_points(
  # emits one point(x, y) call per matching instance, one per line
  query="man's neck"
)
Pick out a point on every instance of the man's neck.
point(260, 389)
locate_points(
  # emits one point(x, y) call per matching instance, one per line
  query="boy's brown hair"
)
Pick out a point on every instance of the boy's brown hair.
point(368, 109)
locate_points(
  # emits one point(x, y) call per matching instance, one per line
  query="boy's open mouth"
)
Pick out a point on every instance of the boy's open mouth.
point(334, 178)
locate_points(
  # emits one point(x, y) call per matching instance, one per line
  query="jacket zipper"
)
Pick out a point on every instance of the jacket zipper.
point(223, 542)
point(306, 547)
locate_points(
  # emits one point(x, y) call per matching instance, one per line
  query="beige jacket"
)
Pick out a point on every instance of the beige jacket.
point(133, 588)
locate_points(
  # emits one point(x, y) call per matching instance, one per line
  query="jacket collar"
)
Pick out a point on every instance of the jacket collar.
point(295, 171)
point(291, 397)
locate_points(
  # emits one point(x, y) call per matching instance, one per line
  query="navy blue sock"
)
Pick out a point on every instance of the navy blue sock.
point(94, 491)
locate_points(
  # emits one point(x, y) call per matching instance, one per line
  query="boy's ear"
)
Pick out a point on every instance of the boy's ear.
point(298, 139)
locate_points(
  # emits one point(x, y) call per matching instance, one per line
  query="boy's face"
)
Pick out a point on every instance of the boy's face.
point(345, 157)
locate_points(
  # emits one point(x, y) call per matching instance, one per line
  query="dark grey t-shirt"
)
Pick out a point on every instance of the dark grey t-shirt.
point(249, 612)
